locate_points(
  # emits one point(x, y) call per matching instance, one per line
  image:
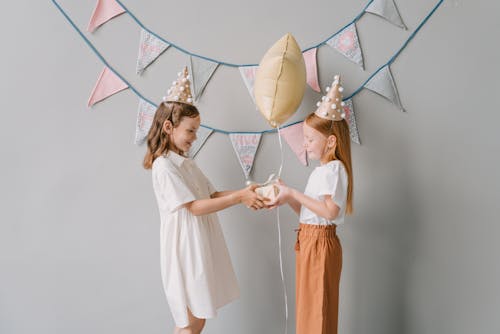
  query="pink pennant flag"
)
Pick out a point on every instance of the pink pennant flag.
point(312, 69)
point(107, 85)
point(248, 75)
point(104, 11)
point(294, 136)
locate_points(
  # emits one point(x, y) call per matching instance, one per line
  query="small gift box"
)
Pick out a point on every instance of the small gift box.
point(270, 191)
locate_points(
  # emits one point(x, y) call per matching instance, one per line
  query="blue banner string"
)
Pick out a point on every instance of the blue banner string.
point(103, 60)
point(225, 63)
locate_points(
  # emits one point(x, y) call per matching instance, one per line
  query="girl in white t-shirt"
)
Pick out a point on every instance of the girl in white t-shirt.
point(323, 205)
point(197, 274)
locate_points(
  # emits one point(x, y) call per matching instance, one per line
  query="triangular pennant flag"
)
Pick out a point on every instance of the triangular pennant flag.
point(104, 11)
point(202, 135)
point(347, 43)
point(248, 75)
point(107, 84)
point(312, 69)
point(383, 84)
point(145, 115)
point(201, 70)
point(388, 10)
point(351, 120)
point(245, 145)
point(294, 136)
point(150, 48)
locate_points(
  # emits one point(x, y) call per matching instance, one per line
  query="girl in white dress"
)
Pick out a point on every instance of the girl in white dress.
point(197, 274)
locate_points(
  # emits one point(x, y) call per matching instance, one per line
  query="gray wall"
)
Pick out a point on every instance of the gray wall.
point(79, 232)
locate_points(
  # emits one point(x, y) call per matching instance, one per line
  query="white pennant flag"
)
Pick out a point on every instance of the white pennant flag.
point(388, 10)
point(145, 115)
point(351, 120)
point(150, 48)
point(248, 75)
point(347, 43)
point(245, 145)
point(202, 135)
point(383, 84)
point(201, 70)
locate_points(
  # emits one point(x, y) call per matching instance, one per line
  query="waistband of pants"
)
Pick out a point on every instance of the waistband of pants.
point(317, 230)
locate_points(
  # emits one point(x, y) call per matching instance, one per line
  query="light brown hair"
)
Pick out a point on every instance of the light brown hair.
point(158, 142)
point(341, 151)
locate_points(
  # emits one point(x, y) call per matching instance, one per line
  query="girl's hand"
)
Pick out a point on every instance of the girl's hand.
point(251, 199)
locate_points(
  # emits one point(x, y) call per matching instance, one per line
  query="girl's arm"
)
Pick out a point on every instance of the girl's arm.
point(294, 204)
point(222, 193)
point(325, 208)
point(222, 200)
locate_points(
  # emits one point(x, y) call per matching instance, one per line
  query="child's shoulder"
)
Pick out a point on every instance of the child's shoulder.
point(334, 165)
point(162, 163)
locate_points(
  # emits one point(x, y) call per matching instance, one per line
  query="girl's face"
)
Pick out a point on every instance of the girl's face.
point(183, 136)
point(315, 143)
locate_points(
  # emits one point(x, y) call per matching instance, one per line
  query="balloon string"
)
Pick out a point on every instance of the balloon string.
point(279, 239)
point(281, 269)
point(281, 150)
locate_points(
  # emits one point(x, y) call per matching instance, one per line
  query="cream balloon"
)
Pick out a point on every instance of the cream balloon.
point(280, 81)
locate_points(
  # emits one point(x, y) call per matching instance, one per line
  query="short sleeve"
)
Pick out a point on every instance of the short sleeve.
point(210, 187)
point(175, 191)
point(334, 182)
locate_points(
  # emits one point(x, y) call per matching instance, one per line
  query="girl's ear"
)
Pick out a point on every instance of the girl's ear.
point(167, 126)
point(331, 141)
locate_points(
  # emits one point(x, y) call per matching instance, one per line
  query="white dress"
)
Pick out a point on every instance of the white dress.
point(196, 269)
point(328, 179)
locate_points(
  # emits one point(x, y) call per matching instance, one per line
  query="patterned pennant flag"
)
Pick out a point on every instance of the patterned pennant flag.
point(245, 145)
point(201, 70)
point(202, 135)
point(107, 84)
point(150, 48)
point(248, 75)
point(312, 69)
point(386, 9)
point(347, 43)
point(104, 11)
point(294, 136)
point(383, 84)
point(351, 120)
point(145, 115)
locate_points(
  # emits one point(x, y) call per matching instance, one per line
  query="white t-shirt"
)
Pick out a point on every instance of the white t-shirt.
point(328, 179)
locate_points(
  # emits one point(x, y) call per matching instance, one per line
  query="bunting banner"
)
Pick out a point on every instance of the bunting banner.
point(150, 48)
point(383, 84)
point(245, 146)
point(248, 75)
point(347, 44)
point(345, 41)
point(351, 120)
point(386, 9)
point(107, 84)
point(202, 135)
point(312, 69)
point(294, 136)
point(145, 114)
point(202, 71)
point(104, 11)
